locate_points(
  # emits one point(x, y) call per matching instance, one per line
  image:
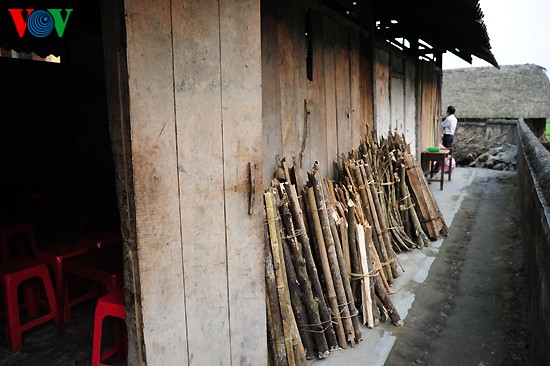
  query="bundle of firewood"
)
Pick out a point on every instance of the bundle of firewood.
point(331, 248)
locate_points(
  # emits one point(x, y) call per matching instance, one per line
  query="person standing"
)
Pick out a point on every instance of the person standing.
point(449, 127)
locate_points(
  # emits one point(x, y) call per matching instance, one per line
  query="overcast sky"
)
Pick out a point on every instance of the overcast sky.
point(518, 30)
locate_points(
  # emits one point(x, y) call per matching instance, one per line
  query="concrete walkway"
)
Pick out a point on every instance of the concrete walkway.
point(378, 342)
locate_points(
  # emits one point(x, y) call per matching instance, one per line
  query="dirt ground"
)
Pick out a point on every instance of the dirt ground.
point(471, 308)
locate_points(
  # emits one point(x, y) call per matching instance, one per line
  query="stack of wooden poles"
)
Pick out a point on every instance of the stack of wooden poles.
point(330, 247)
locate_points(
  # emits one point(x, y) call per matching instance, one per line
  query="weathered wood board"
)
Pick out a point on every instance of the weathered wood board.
point(382, 106)
point(410, 105)
point(316, 97)
point(271, 89)
point(343, 92)
point(155, 175)
point(197, 79)
point(240, 36)
point(357, 103)
point(330, 92)
point(397, 93)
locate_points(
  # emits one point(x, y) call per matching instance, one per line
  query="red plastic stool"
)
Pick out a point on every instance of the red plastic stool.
point(11, 275)
point(55, 256)
point(108, 305)
point(100, 239)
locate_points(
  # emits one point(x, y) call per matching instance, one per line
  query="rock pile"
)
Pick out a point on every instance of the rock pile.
point(498, 158)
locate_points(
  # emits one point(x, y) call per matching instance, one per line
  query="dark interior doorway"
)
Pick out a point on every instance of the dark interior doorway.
point(57, 165)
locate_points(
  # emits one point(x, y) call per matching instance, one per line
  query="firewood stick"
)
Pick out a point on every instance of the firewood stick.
point(300, 351)
point(274, 322)
point(306, 293)
point(324, 311)
point(331, 252)
point(354, 257)
point(365, 283)
point(408, 205)
point(388, 304)
point(372, 217)
point(427, 207)
point(345, 275)
point(343, 230)
point(365, 203)
point(280, 275)
point(331, 292)
point(371, 272)
point(378, 266)
point(381, 309)
point(297, 305)
point(379, 219)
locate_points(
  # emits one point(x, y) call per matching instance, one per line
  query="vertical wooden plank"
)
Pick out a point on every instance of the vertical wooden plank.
point(397, 99)
point(357, 116)
point(330, 93)
point(290, 107)
point(240, 35)
point(316, 97)
point(419, 92)
point(271, 90)
point(343, 98)
point(116, 78)
point(301, 124)
point(367, 84)
point(155, 175)
point(397, 94)
point(200, 164)
point(410, 105)
point(425, 125)
point(428, 100)
point(382, 91)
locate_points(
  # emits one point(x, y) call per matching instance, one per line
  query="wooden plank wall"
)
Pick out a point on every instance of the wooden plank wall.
point(196, 124)
point(396, 98)
point(382, 104)
point(397, 93)
point(410, 105)
point(428, 108)
point(314, 120)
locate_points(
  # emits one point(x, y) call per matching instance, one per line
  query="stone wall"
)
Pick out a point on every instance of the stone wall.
point(473, 139)
point(534, 196)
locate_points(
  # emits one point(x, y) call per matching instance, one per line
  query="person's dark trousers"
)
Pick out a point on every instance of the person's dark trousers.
point(448, 141)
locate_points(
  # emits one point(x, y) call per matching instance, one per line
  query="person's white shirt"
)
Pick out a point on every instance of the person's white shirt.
point(449, 125)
